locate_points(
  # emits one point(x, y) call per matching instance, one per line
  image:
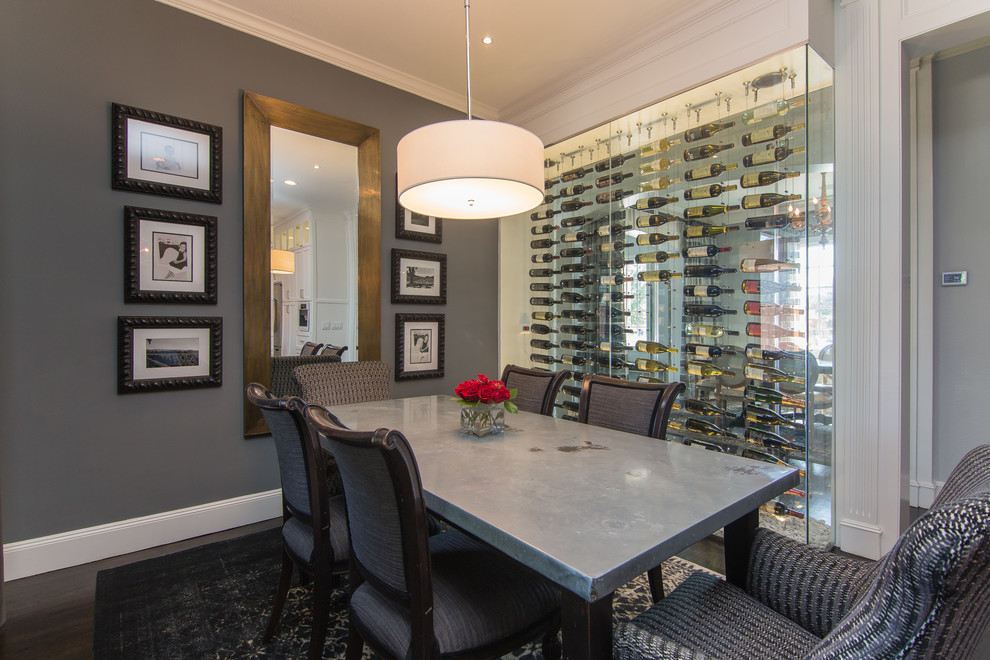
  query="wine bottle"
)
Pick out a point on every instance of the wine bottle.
point(658, 165)
point(575, 237)
point(657, 147)
point(611, 179)
point(613, 280)
point(575, 330)
point(577, 283)
point(542, 229)
point(760, 415)
point(708, 231)
point(765, 266)
point(540, 329)
point(704, 350)
point(756, 308)
point(770, 330)
point(653, 347)
point(655, 220)
point(615, 296)
point(541, 358)
point(705, 151)
point(574, 345)
point(706, 192)
point(769, 156)
point(656, 275)
point(657, 185)
point(574, 175)
point(707, 370)
point(708, 171)
point(571, 191)
point(612, 196)
point(542, 344)
point(775, 221)
point(549, 199)
point(615, 246)
point(614, 361)
point(764, 200)
point(575, 268)
point(772, 109)
point(707, 211)
point(654, 239)
point(550, 183)
point(754, 179)
point(614, 347)
point(706, 330)
point(542, 243)
point(613, 230)
point(756, 352)
point(574, 221)
point(580, 314)
point(543, 258)
point(542, 286)
point(568, 405)
point(771, 439)
point(706, 130)
point(573, 205)
point(571, 418)
point(771, 396)
point(703, 251)
point(770, 374)
point(713, 311)
point(543, 272)
point(644, 364)
point(569, 253)
point(774, 132)
point(575, 360)
point(759, 286)
point(654, 257)
point(544, 316)
point(768, 458)
point(653, 202)
point(614, 161)
point(612, 260)
point(699, 407)
point(705, 291)
point(543, 302)
point(706, 271)
point(544, 214)
point(706, 428)
point(615, 329)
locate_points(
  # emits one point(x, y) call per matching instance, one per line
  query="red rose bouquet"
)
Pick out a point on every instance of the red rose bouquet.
point(485, 391)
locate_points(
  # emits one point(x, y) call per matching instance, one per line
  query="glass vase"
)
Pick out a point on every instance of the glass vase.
point(483, 420)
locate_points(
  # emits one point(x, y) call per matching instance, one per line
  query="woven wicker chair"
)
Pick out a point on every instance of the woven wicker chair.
point(536, 389)
point(284, 381)
point(314, 526)
point(417, 596)
point(310, 348)
point(330, 349)
point(340, 383)
point(927, 598)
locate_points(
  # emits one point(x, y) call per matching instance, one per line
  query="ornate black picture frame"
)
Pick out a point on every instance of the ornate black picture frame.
point(169, 257)
point(168, 353)
point(160, 154)
point(416, 226)
point(419, 346)
point(419, 277)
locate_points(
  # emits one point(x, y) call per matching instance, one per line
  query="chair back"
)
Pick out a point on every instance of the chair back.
point(536, 389)
point(386, 514)
point(341, 383)
point(971, 475)
point(310, 348)
point(330, 349)
point(623, 405)
point(284, 380)
point(930, 597)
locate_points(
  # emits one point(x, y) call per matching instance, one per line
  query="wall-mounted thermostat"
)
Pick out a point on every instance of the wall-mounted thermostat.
point(955, 278)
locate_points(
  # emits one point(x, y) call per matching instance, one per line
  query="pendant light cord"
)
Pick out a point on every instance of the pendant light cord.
point(467, 39)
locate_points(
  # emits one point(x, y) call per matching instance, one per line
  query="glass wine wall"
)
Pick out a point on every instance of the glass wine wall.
point(692, 241)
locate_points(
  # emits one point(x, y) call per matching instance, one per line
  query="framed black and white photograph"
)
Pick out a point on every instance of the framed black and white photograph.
point(165, 155)
point(419, 346)
point(169, 257)
point(168, 353)
point(419, 277)
point(416, 226)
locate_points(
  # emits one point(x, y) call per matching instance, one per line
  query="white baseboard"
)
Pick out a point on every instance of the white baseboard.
point(923, 493)
point(81, 546)
point(860, 539)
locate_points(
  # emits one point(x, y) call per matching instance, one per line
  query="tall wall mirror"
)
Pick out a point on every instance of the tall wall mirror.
point(328, 225)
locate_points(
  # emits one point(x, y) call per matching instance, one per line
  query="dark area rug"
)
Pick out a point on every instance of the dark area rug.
point(214, 601)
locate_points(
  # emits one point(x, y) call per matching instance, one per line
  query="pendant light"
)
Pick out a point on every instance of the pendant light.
point(283, 262)
point(470, 168)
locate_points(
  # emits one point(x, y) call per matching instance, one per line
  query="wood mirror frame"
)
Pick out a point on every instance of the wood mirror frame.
point(260, 114)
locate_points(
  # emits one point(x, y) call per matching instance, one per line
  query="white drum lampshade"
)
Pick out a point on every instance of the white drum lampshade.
point(283, 262)
point(470, 169)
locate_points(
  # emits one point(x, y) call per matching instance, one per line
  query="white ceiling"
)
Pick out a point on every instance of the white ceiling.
point(325, 174)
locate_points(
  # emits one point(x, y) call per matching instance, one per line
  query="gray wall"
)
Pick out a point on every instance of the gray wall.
point(72, 452)
point(961, 133)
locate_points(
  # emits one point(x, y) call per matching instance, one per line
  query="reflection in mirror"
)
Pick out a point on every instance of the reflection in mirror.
point(314, 219)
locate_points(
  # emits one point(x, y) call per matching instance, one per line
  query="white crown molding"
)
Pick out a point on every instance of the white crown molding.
point(235, 18)
point(81, 546)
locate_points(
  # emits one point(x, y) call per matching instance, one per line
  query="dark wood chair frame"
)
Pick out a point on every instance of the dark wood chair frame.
point(324, 568)
point(555, 381)
point(404, 472)
point(310, 348)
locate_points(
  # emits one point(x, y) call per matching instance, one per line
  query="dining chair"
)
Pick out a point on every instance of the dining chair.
point(330, 349)
point(340, 383)
point(418, 596)
point(283, 378)
point(634, 407)
point(927, 598)
point(536, 389)
point(314, 526)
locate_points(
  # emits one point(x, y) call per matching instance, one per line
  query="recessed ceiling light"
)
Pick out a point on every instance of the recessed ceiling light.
point(316, 167)
point(486, 40)
point(290, 182)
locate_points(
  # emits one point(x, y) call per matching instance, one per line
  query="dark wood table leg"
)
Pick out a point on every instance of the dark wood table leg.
point(738, 539)
point(586, 628)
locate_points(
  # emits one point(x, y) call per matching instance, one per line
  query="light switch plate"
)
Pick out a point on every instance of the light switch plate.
point(955, 278)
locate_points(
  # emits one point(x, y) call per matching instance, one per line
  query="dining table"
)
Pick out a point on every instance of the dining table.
point(587, 507)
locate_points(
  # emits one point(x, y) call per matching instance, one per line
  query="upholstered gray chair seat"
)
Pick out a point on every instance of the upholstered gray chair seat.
point(298, 535)
point(479, 597)
point(682, 626)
